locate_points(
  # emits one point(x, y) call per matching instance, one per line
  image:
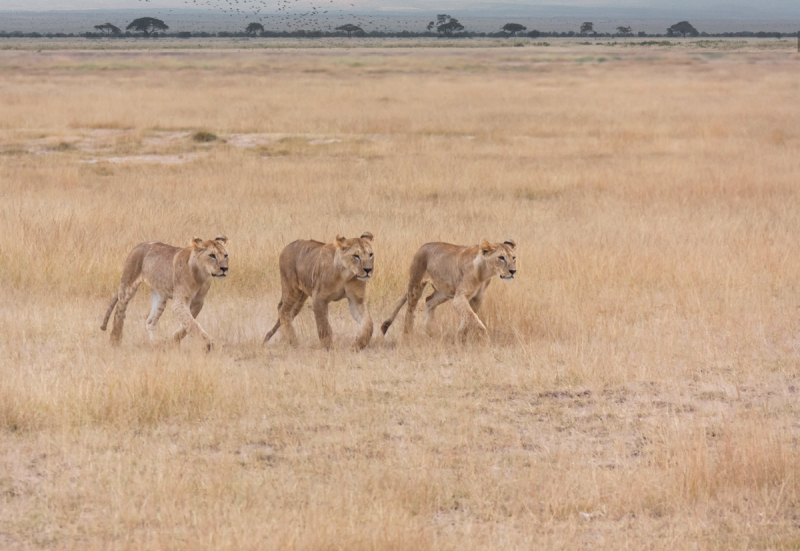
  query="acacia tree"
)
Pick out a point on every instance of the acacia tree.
point(624, 31)
point(683, 28)
point(108, 29)
point(445, 25)
point(147, 25)
point(349, 29)
point(587, 27)
point(254, 28)
point(514, 28)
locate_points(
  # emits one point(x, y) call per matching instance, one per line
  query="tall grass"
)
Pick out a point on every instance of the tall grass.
point(641, 385)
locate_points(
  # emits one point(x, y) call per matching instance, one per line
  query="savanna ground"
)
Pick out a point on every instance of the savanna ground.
point(641, 388)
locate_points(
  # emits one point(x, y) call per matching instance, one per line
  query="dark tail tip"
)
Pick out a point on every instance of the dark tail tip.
point(103, 327)
point(385, 326)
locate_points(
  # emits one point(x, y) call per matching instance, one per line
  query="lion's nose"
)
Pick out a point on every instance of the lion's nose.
point(367, 270)
point(512, 272)
point(223, 268)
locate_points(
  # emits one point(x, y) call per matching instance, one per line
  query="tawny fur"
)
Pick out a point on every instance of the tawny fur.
point(326, 272)
point(457, 273)
point(183, 275)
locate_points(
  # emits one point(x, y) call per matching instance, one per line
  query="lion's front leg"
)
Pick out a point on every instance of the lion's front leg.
point(469, 320)
point(323, 326)
point(182, 311)
point(360, 312)
point(196, 304)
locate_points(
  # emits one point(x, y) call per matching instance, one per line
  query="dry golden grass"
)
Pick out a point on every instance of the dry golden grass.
point(641, 389)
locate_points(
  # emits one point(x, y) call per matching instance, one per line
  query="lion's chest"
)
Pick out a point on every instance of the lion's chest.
point(336, 295)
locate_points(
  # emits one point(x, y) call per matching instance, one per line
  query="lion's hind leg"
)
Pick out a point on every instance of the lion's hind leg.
point(415, 291)
point(129, 284)
point(158, 303)
point(434, 300)
point(298, 306)
point(288, 309)
point(124, 296)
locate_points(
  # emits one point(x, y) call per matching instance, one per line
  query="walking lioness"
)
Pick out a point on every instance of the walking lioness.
point(457, 273)
point(183, 275)
point(325, 272)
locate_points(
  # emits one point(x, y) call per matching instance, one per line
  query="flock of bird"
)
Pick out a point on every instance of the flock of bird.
point(292, 15)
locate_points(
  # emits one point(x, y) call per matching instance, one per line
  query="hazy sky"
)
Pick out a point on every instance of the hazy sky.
point(731, 9)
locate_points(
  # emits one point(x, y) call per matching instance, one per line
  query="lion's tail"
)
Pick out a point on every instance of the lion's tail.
point(388, 323)
point(114, 300)
point(272, 331)
point(275, 327)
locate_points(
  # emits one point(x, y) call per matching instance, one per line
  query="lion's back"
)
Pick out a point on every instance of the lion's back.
point(158, 264)
point(445, 263)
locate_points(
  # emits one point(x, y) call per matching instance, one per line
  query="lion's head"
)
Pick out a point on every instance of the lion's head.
point(356, 255)
point(211, 256)
point(500, 258)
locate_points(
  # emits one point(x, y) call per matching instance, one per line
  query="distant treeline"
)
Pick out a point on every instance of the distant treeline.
point(380, 34)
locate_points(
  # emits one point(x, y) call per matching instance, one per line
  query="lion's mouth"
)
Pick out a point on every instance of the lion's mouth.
point(507, 278)
point(364, 278)
point(223, 274)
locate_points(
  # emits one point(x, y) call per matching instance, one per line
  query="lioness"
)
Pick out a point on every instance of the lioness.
point(325, 272)
point(183, 275)
point(457, 273)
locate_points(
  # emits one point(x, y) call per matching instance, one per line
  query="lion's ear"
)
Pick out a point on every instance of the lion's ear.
point(340, 241)
point(368, 236)
point(197, 243)
point(486, 247)
point(510, 243)
point(221, 239)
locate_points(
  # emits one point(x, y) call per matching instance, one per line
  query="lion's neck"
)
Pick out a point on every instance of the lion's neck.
point(341, 269)
point(482, 271)
point(199, 275)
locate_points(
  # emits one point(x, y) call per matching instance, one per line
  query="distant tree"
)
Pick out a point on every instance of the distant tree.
point(534, 34)
point(514, 28)
point(254, 28)
point(350, 29)
point(587, 27)
point(683, 28)
point(147, 25)
point(625, 31)
point(445, 25)
point(108, 29)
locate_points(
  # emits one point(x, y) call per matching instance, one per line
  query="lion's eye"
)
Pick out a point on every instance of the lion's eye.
point(213, 256)
point(371, 255)
point(356, 257)
point(503, 258)
point(226, 256)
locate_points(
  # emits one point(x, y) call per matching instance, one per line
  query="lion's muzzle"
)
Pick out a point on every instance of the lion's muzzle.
point(367, 275)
